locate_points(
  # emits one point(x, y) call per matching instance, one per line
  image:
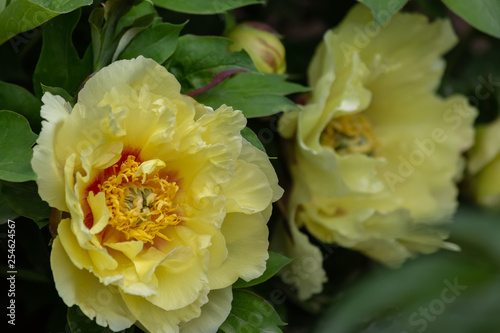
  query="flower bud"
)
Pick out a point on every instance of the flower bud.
point(263, 45)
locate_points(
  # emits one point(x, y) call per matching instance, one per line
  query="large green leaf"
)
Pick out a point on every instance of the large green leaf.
point(23, 198)
point(157, 42)
point(197, 60)
point(16, 140)
point(79, 322)
point(383, 9)
point(23, 15)
point(59, 64)
point(444, 292)
point(256, 94)
point(18, 99)
point(204, 6)
point(251, 313)
point(275, 262)
point(482, 14)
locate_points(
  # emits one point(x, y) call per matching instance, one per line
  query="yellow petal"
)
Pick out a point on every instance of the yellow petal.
point(249, 191)
point(100, 211)
point(488, 184)
point(44, 162)
point(486, 147)
point(257, 157)
point(247, 244)
point(305, 273)
point(213, 313)
point(156, 320)
point(78, 286)
point(136, 73)
point(223, 126)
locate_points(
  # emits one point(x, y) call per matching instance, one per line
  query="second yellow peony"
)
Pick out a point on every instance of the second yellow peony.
point(375, 153)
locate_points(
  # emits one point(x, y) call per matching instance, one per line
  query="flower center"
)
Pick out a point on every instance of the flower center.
point(350, 134)
point(140, 205)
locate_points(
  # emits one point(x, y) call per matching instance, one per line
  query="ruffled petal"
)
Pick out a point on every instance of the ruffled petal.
point(213, 313)
point(246, 241)
point(48, 168)
point(78, 286)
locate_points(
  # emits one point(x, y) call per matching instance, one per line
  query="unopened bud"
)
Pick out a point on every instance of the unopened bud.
point(263, 45)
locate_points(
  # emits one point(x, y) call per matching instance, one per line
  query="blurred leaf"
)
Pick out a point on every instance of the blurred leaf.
point(475, 76)
point(157, 42)
point(251, 313)
point(383, 9)
point(432, 8)
point(78, 323)
point(251, 137)
point(197, 60)
point(16, 140)
point(443, 292)
point(482, 14)
point(275, 262)
point(203, 6)
point(59, 64)
point(255, 94)
point(24, 15)
point(23, 198)
point(20, 100)
point(58, 91)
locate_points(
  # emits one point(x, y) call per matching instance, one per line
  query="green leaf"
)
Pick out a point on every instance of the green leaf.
point(197, 60)
point(256, 94)
point(20, 100)
point(251, 313)
point(204, 6)
point(275, 262)
point(59, 64)
point(23, 15)
point(383, 9)
point(78, 322)
point(251, 137)
point(140, 15)
point(58, 91)
point(115, 25)
point(482, 14)
point(24, 199)
point(157, 42)
point(6, 212)
point(16, 140)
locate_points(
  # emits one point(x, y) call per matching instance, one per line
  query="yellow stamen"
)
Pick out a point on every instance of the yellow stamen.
point(350, 134)
point(140, 206)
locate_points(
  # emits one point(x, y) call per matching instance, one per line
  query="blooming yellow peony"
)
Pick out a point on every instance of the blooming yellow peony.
point(375, 153)
point(484, 164)
point(168, 202)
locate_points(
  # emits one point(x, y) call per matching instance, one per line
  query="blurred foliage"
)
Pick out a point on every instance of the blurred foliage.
point(443, 292)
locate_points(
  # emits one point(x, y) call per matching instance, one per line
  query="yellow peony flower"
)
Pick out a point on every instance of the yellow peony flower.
point(484, 164)
point(375, 154)
point(168, 202)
